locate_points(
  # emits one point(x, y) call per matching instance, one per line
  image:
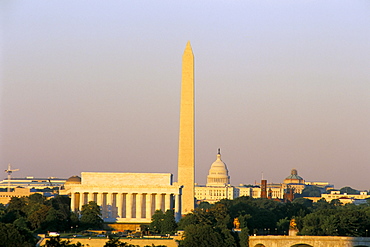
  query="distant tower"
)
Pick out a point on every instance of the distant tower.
point(270, 194)
point(263, 188)
point(186, 165)
point(10, 171)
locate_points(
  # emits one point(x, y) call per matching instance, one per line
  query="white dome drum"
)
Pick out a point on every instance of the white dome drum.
point(218, 174)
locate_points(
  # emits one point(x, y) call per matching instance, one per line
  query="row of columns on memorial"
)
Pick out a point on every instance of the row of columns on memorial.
point(127, 205)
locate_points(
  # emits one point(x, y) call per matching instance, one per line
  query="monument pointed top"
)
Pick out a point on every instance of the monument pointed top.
point(188, 46)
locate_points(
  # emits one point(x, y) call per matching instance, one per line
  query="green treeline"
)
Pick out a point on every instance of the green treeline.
point(211, 225)
point(27, 216)
point(24, 217)
point(208, 225)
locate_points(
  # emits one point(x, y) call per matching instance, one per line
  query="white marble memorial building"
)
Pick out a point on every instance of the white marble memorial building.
point(124, 197)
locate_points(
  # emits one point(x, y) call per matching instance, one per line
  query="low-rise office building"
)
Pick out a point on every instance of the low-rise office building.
point(32, 182)
point(345, 198)
point(5, 197)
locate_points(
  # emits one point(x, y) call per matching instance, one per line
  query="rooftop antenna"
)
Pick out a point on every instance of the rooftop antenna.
point(9, 171)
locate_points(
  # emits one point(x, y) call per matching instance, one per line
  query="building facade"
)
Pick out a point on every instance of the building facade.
point(32, 182)
point(294, 182)
point(124, 197)
point(218, 184)
point(5, 197)
point(345, 198)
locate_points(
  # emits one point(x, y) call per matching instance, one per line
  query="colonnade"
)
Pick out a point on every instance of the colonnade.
point(134, 206)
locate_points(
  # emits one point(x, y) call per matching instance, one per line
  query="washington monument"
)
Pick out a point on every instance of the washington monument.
point(186, 133)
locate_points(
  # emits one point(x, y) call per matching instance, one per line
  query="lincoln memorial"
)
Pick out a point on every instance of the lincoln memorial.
point(124, 197)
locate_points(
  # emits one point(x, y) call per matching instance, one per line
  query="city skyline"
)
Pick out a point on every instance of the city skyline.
point(96, 87)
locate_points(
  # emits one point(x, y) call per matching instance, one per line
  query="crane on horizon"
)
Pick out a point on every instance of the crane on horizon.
point(10, 171)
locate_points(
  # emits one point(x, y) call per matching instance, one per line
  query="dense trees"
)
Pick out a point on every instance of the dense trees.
point(35, 214)
point(215, 223)
point(12, 235)
point(202, 236)
point(349, 191)
point(91, 216)
point(38, 214)
point(27, 216)
point(263, 216)
point(349, 220)
point(207, 225)
point(163, 223)
point(244, 237)
point(210, 227)
point(311, 191)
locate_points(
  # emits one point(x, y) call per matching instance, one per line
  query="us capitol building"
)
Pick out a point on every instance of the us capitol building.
point(218, 185)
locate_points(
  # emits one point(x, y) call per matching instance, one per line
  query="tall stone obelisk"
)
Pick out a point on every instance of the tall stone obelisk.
point(186, 168)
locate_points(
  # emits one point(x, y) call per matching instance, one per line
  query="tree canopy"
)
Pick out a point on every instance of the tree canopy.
point(163, 223)
point(311, 191)
point(34, 214)
point(266, 217)
point(11, 235)
point(91, 216)
point(349, 191)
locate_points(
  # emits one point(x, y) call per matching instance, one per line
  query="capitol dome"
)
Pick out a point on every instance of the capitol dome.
point(218, 174)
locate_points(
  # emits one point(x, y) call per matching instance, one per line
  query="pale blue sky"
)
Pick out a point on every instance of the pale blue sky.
point(95, 86)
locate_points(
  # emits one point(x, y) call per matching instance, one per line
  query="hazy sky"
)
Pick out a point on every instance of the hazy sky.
point(95, 86)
